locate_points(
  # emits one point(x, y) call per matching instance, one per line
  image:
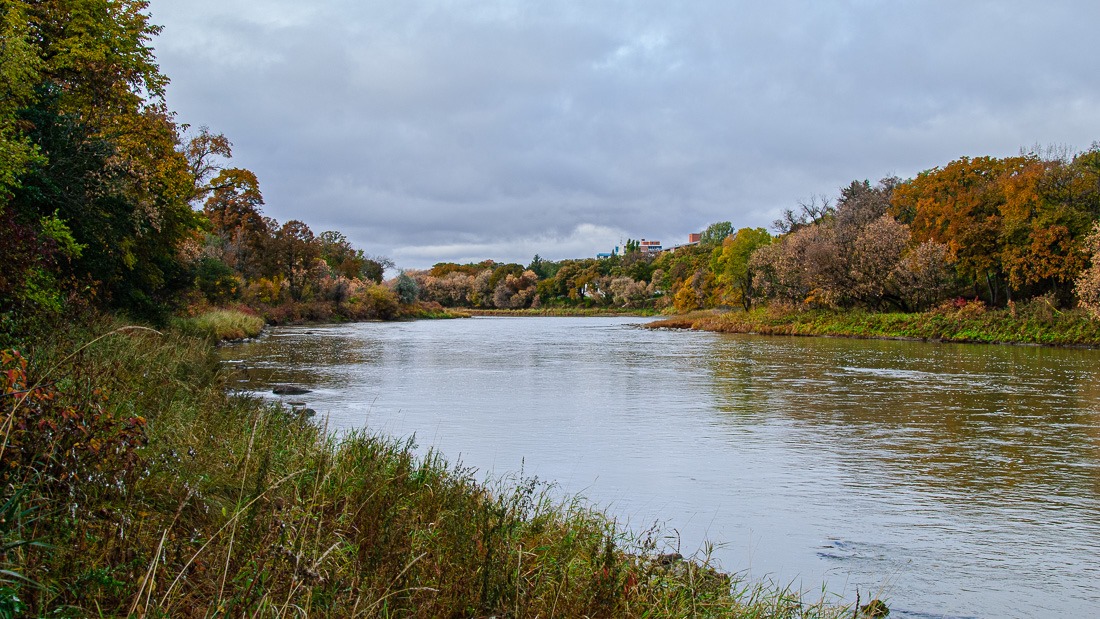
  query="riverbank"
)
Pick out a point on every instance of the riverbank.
point(575, 312)
point(154, 492)
point(1035, 323)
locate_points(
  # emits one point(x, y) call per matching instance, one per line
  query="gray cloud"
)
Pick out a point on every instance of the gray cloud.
point(435, 131)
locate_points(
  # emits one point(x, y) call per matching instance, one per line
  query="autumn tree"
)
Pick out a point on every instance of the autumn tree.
point(204, 152)
point(925, 275)
point(1049, 209)
point(875, 256)
point(1088, 282)
point(240, 232)
point(516, 291)
point(347, 261)
point(295, 249)
point(19, 74)
point(960, 205)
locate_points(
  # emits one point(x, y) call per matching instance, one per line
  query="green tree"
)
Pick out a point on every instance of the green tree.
point(716, 233)
point(19, 73)
point(406, 289)
point(108, 164)
point(731, 264)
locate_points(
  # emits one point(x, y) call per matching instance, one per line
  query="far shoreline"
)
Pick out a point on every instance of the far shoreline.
point(966, 325)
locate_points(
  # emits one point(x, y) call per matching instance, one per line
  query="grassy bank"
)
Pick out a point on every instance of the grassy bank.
point(135, 486)
point(226, 324)
point(1034, 323)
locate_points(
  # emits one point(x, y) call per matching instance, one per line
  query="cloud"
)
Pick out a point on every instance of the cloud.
point(424, 129)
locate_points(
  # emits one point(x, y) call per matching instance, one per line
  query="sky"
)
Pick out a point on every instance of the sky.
point(458, 130)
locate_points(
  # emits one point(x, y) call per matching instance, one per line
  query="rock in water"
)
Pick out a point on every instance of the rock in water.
point(289, 390)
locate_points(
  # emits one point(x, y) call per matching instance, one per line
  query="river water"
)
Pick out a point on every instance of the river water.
point(951, 480)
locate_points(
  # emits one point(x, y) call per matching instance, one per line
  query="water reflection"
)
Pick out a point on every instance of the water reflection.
point(965, 479)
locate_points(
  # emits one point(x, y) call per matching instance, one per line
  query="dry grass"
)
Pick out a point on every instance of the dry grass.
point(224, 324)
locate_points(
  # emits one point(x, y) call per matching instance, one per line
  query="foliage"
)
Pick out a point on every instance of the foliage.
point(731, 264)
point(19, 72)
point(1088, 282)
point(1013, 225)
point(716, 233)
point(406, 289)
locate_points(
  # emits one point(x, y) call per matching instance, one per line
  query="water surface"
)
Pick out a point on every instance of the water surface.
point(954, 480)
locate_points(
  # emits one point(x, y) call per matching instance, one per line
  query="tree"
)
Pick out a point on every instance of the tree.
point(1088, 282)
point(240, 231)
point(816, 210)
point(19, 73)
point(875, 255)
point(960, 205)
point(860, 205)
point(96, 146)
point(924, 276)
point(539, 267)
point(346, 261)
point(716, 233)
point(295, 250)
point(202, 152)
point(731, 264)
point(406, 289)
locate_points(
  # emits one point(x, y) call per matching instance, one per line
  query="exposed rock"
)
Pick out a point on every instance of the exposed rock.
point(289, 390)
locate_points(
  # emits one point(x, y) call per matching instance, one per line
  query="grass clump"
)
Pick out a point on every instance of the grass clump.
point(227, 324)
point(134, 485)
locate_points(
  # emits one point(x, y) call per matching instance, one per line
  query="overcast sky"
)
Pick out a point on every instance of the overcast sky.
point(462, 130)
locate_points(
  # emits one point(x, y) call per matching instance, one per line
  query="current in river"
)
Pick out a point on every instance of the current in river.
point(950, 480)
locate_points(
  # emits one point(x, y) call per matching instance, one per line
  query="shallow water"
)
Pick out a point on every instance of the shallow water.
point(952, 480)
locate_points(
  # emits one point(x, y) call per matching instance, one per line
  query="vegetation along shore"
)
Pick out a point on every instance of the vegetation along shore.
point(1035, 322)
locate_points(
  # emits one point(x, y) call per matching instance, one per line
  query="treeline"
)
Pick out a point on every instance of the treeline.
point(998, 230)
point(105, 200)
point(283, 270)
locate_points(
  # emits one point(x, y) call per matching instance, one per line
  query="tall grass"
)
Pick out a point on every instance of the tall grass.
point(227, 324)
point(185, 501)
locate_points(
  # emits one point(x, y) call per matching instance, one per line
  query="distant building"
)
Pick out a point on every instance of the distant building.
point(649, 247)
point(695, 237)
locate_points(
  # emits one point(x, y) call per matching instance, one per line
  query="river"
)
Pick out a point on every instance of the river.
point(951, 480)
